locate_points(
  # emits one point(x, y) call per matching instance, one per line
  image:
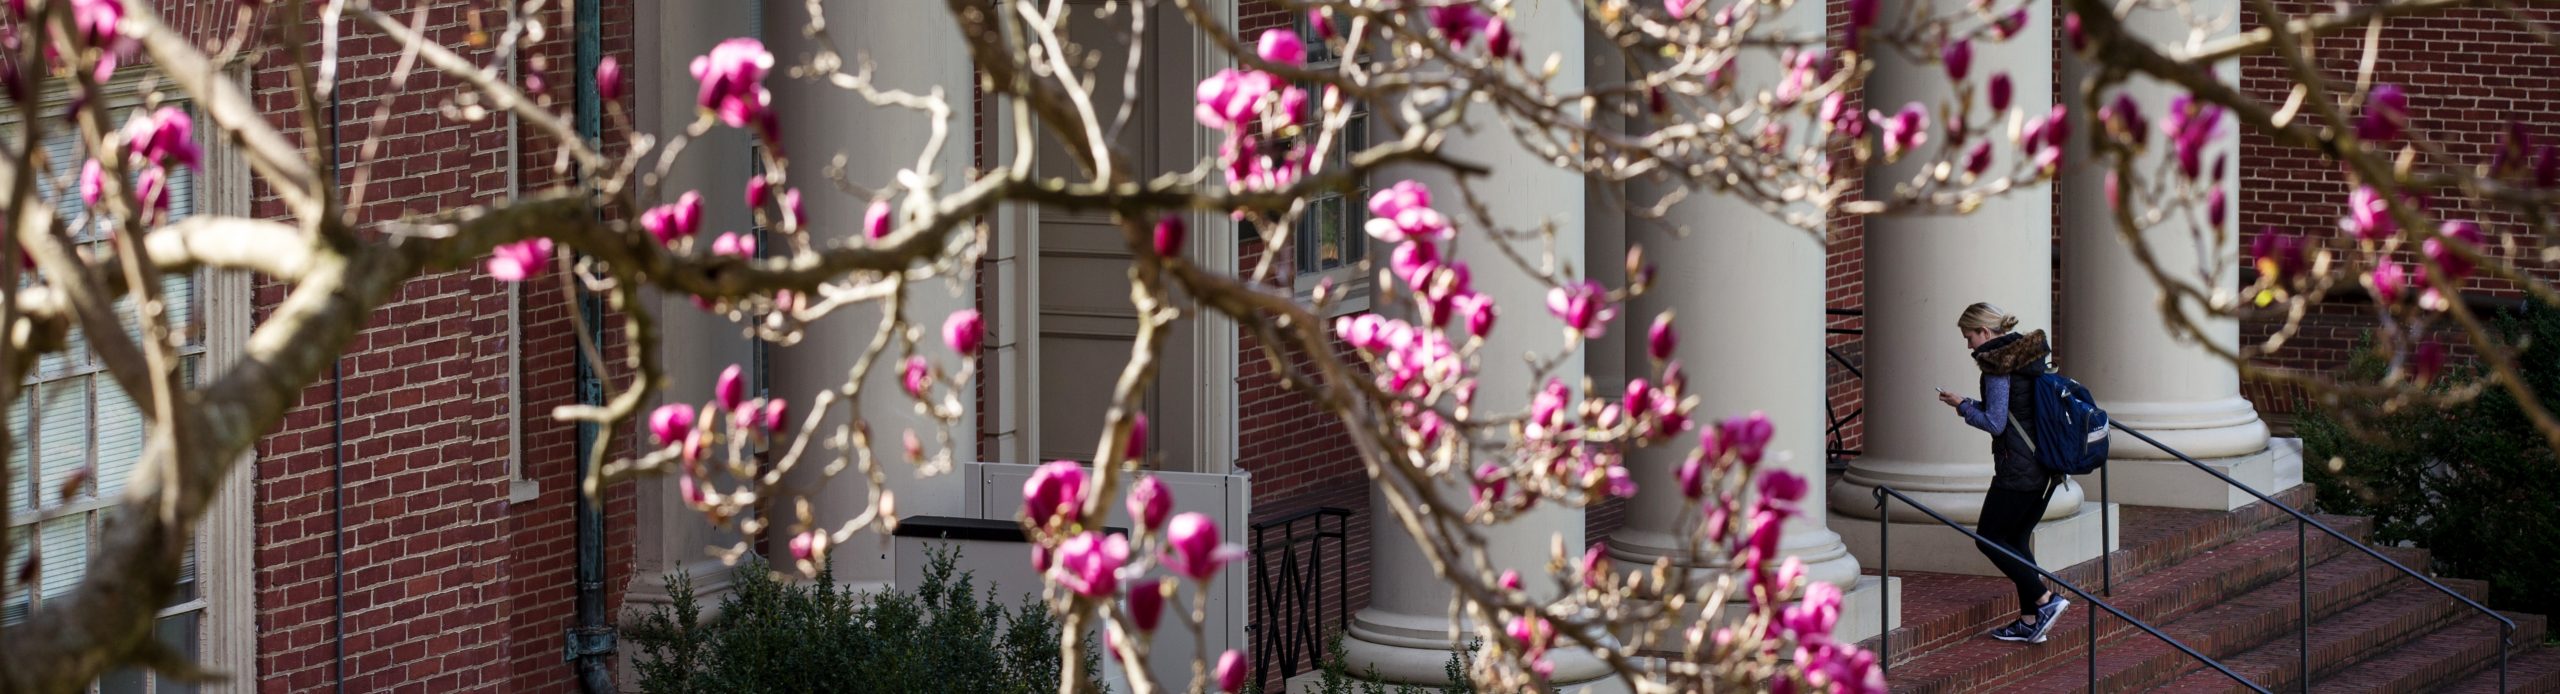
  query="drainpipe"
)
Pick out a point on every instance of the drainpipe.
point(337, 467)
point(590, 643)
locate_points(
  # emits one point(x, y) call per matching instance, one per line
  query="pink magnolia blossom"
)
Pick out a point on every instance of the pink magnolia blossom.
point(1661, 339)
point(1510, 579)
point(1999, 92)
point(758, 191)
point(2072, 31)
point(519, 261)
point(875, 220)
point(1231, 671)
point(1479, 312)
point(2427, 361)
point(1282, 46)
point(730, 390)
point(93, 183)
point(670, 422)
point(1413, 258)
point(1150, 502)
point(1055, 490)
point(689, 490)
point(1361, 331)
point(1958, 57)
point(1978, 161)
point(732, 77)
point(1137, 445)
point(2369, 215)
point(1547, 409)
point(1584, 307)
point(2456, 266)
point(734, 245)
point(1781, 489)
point(1459, 22)
point(806, 546)
point(1498, 40)
point(1146, 603)
point(609, 79)
point(2191, 126)
point(1618, 482)
point(1192, 548)
point(1693, 471)
point(2216, 205)
point(1227, 100)
point(97, 20)
point(1812, 619)
point(1170, 233)
point(166, 138)
point(1323, 24)
point(1862, 14)
point(1403, 211)
point(1747, 436)
point(1089, 563)
point(2390, 281)
point(680, 219)
point(2386, 114)
point(2278, 254)
point(776, 414)
point(1595, 564)
point(1679, 9)
point(1905, 130)
point(916, 376)
point(2008, 24)
point(791, 210)
point(965, 331)
point(1489, 484)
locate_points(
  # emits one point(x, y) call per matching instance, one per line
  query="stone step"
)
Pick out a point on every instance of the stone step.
point(1973, 659)
point(1938, 610)
point(2461, 648)
point(2130, 659)
point(2532, 670)
point(2354, 649)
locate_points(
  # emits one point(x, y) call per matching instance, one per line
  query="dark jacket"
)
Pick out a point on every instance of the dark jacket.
point(2013, 361)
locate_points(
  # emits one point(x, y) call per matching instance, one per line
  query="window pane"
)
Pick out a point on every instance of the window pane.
point(62, 433)
point(13, 603)
point(66, 554)
point(22, 494)
point(125, 680)
point(183, 632)
point(120, 435)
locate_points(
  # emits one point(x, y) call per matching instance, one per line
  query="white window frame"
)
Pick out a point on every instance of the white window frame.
point(1351, 280)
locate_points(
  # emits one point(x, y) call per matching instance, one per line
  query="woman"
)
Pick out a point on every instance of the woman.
point(2020, 486)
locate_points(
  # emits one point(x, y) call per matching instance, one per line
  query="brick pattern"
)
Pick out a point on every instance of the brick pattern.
point(447, 586)
point(2469, 72)
point(1846, 273)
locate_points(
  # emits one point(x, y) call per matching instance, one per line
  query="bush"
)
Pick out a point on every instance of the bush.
point(1333, 674)
point(2475, 484)
point(773, 636)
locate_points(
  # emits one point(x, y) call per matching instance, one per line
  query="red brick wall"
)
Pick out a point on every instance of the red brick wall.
point(1846, 272)
point(2468, 73)
point(447, 586)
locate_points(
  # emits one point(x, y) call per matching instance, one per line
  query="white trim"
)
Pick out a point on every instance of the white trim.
point(230, 629)
point(1215, 250)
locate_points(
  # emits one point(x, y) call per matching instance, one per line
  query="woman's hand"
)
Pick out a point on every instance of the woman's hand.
point(1950, 399)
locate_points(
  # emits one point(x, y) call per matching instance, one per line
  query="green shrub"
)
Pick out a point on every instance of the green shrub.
point(773, 636)
point(2475, 484)
point(1333, 674)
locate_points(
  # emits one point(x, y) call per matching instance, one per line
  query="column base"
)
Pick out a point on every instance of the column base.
point(1313, 683)
point(2176, 484)
point(1931, 546)
point(1413, 652)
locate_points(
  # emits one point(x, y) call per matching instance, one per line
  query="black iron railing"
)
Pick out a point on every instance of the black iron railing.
point(2302, 523)
point(1840, 452)
point(1287, 626)
point(1885, 656)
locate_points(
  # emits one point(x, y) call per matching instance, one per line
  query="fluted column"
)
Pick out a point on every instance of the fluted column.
point(2115, 341)
point(1922, 271)
point(1747, 290)
point(1405, 630)
point(920, 48)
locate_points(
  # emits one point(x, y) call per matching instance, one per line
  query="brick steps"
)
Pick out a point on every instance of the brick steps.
point(1968, 660)
point(2342, 591)
point(2461, 648)
point(1946, 609)
point(2406, 611)
point(2533, 670)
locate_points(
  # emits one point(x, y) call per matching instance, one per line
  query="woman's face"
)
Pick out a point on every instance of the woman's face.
point(1974, 337)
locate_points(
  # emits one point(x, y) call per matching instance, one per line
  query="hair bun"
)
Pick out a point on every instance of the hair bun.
point(2008, 323)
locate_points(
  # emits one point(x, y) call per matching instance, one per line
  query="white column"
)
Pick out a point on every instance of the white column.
point(2167, 387)
point(1922, 271)
point(918, 47)
point(1405, 630)
point(696, 345)
point(1748, 291)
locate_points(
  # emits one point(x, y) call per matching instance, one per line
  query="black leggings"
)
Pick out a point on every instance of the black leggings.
point(2009, 518)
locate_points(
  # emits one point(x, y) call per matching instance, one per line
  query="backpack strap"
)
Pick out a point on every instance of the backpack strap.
point(2025, 437)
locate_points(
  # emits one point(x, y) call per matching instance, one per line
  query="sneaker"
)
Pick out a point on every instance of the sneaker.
point(2046, 614)
point(2015, 631)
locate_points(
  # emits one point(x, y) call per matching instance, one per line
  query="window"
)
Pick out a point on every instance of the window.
point(73, 417)
point(1329, 240)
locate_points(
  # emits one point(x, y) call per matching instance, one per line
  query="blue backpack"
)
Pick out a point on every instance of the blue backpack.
point(2069, 435)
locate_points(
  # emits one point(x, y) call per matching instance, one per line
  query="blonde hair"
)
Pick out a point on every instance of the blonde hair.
point(1984, 316)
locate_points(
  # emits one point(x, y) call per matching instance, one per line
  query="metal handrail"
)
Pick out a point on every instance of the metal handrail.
point(1291, 595)
point(1885, 641)
point(2506, 627)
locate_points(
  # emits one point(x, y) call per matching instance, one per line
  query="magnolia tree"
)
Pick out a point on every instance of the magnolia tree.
point(1683, 117)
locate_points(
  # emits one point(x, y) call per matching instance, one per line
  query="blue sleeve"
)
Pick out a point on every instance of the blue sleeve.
point(1991, 413)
